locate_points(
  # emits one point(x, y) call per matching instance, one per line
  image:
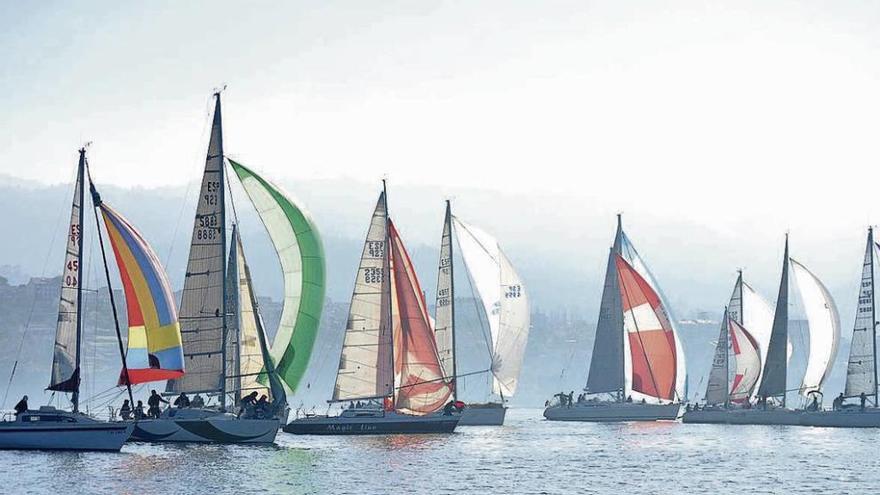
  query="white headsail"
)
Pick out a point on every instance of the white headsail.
point(504, 300)
point(861, 372)
point(824, 323)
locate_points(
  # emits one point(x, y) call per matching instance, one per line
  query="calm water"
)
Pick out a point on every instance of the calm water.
point(528, 455)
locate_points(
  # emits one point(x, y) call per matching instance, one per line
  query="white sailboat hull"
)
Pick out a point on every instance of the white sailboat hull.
point(206, 426)
point(847, 418)
point(601, 411)
point(63, 431)
point(491, 414)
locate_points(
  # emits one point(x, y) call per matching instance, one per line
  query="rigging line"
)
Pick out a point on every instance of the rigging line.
point(27, 324)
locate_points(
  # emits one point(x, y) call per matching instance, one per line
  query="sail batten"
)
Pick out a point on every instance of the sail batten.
point(202, 311)
point(300, 252)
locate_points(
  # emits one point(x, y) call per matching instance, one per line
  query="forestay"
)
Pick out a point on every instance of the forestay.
point(300, 252)
point(365, 365)
point(504, 300)
point(824, 324)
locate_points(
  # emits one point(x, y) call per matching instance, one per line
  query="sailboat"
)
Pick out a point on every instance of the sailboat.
point(505, 310)
point(734, 386)
point(637, 370)
point(824, 335)
point(390, 371)
point(225, 346)
point(147, 295)
point(861, 370)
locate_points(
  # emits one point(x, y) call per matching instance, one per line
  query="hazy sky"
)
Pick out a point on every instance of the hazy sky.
point(747, 117)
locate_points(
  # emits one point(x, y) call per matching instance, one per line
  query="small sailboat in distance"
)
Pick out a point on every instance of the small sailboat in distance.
point(55, 429)
point(390, 371)
point(637, 370)
point(505, 308)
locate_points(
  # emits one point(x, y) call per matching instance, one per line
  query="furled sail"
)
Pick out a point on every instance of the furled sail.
point(444, 312)
point(154, 343)
point(300, 252)
point(651, 340)
point(716, 389)
point(774, 373)
point(422, 387)
point(861, 370)
point(203, 306)
point(65, 362)
point(365, 366)
point(504, 300)
point(824, 323)
point(607, 362)
point(747, 357)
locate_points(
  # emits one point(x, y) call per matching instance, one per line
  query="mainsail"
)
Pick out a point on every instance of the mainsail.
point(422, 386)
point(861, 370)
point(154, 342)
point(653, 353)
point(774, 373)
point(203, 304)
point(444, 312)
point(824, 323)
point(607, 361)
point(504, 301)
point(748, 362)
point(716, 389)
point(365, 365)
point(65, 361)
point(301, 254)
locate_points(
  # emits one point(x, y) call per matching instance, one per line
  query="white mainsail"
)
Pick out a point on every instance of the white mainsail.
point(203, 306)
point(251, 363)
point(365, 365)
point(861, 370)
point(824, 324)
point(444, 312)
point(65, 362)
point(504, 300)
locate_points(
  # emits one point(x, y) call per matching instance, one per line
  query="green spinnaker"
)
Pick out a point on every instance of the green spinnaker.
point(301, 253)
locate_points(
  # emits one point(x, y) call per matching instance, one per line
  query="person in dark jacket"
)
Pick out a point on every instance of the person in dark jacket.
point(125, 410)
point(22, 405)
point(182, 400)
point(153, 403)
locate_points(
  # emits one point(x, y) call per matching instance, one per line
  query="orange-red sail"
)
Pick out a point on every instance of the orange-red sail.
point(650, 336)
point(422, 386)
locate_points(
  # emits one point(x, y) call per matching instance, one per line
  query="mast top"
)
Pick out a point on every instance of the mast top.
point(620, 220)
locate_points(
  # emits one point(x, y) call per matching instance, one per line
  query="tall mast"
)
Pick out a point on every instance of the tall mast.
point(79, 256)
point(222, 223)
point(448, 221)
point(616, 250)
point(873, 314)
point(387, 281)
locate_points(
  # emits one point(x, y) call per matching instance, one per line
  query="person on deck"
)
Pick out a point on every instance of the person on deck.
point(570, 398)
point(139, 410)
point(197, 401)
point(153, 402)
point(862, 400)
point(125, 410)
point(261, 409)
point(837, 404)
point(22, 405)
point(448, 408)
point(814, 405)
point(247, 403)
point(181, 401)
